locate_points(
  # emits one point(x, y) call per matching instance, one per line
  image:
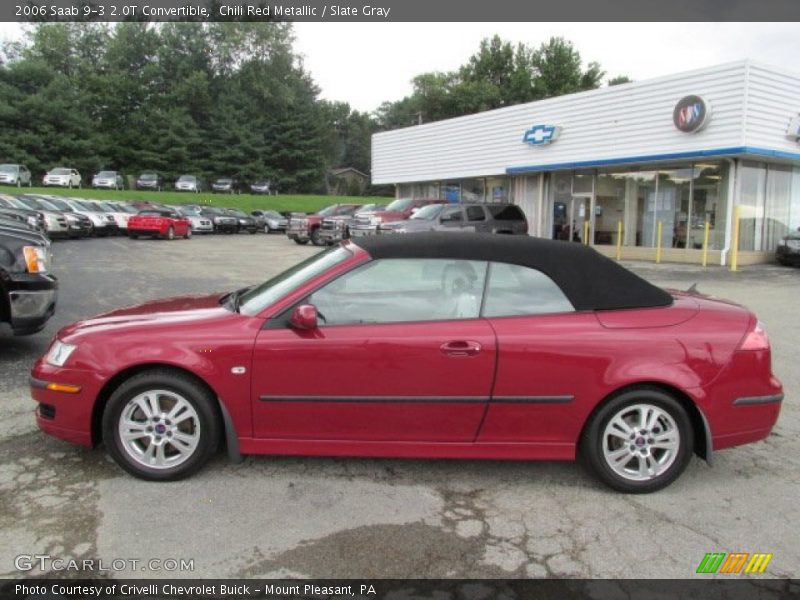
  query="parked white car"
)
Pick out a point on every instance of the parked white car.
point(62, 177)
point(17, 175)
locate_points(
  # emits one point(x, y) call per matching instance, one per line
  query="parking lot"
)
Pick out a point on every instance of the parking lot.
point(320, 517)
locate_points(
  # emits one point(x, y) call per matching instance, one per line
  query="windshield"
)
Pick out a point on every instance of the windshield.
point(46, 205)
point(427, 213)
point(328, 210)
point(189, 211)
point(271, 214)
point(148, 176)
point(189, 178)
point(127, 208)
point(399, 205)
point(84, 206)
point(224, 180)
point(58, 202)
point(269, 292)
point(59, 172)
point(8, 168)
point(237, 212)
point(107, 174)
point(99, 207)
point(24, 203)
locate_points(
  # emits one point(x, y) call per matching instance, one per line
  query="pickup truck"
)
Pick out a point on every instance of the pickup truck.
point(27, 289)
point(303, 228)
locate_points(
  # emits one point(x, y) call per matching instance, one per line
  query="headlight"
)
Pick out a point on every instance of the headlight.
point(96, 219)
point(36, 259)
point(375, 220)
point(59, 353)
point(32, 221)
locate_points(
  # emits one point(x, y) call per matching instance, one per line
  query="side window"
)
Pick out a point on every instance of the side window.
point(475, 213)
point(508, 212)
point(403, 290)
point(451, 214)
point(515, 290)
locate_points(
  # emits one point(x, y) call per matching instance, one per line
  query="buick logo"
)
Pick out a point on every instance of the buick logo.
point(691, 114)
point(539, 135)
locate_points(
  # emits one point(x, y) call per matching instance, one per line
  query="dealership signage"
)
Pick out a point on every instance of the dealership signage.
point(540, 135)
point(691, 114)
point(793, 131)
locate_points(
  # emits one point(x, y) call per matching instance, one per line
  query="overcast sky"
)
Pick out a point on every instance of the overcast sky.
point(368, 63)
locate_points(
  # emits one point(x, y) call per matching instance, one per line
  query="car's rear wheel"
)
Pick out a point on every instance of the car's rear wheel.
point(161, 425)
point(171, 233)
point(301, 242)
point(639, 442)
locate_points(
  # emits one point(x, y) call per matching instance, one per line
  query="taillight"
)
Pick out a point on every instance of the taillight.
point(756, 340)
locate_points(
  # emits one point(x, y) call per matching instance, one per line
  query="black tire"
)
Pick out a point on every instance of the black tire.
point(267, 229)
point(592, 441)
point(195, 394)
point(188, 235)
point(300, 242)
point(253, 230)
point(171, 233)
point(315, 239)
point(133, 236)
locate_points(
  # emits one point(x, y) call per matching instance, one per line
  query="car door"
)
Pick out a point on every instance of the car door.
point(399, 355)
point(551, 359)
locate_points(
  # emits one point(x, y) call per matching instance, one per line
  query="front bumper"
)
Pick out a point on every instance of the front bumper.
point(54, 182)
point(331, 236)
point(109, 185)
point(67, 416)
point(32, 301)
point(364, 230)
point(295, 233)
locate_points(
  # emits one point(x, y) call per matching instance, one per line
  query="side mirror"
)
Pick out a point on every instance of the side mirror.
point(304, 317)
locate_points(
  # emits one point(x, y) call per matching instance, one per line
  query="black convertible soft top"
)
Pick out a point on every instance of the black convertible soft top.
point(590, 281)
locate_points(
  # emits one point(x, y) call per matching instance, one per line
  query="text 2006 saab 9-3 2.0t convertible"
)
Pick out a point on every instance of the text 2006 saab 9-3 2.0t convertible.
point(432, 345)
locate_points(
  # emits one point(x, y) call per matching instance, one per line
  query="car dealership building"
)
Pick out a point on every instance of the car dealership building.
point(670, 154)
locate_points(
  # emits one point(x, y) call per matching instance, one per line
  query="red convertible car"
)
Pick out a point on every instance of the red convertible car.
point(166, 223)
point(432, 345)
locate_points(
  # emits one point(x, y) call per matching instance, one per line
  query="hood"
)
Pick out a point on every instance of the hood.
point(412, 224)
point(387, 215)
point(179, 309)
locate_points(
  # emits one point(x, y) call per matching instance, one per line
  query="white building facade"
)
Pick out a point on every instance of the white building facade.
point(670, 154)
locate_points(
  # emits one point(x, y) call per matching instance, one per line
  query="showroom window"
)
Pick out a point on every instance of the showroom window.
point(769, 201)
point(403, 290)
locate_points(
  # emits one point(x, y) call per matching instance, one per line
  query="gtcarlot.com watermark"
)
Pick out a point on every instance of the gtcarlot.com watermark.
point(48, 563)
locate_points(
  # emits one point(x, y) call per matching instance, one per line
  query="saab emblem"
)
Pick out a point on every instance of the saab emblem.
point(691, 114)
point(539, 135)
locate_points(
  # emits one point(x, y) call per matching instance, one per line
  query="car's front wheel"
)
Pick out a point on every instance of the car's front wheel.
point(188, 233)
point(171, 233)
point(315, 237)
point(161, 425)
point(639, 442)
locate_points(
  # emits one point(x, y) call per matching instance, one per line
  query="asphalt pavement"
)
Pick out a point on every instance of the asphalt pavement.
point(333, 517)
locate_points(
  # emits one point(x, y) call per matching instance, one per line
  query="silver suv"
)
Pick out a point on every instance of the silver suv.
point(478, 217)
point(17, 175)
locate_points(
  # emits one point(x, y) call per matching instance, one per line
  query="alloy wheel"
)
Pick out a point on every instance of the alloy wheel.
point(159, 429)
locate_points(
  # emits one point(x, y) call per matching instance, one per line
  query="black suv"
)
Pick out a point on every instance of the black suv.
point(27, 290)
point(478, 217)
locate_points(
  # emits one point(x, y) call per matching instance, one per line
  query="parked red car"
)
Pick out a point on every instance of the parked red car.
point(397, 210)
point(159, 222)
point(432, 345)
point(302, 228)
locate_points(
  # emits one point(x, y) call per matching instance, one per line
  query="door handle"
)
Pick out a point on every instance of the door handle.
point(461, 348)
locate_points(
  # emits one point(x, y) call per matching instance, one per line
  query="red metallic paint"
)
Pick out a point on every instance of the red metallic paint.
point(470, 409)
point(153, 225)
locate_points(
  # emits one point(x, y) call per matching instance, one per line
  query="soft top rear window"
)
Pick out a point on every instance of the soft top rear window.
point(506, 212)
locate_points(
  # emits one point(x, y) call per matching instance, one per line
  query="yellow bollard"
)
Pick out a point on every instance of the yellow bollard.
point(705, 243)
point(586, 232)
point(619, 240)
point(659, 230)
point(735, 240)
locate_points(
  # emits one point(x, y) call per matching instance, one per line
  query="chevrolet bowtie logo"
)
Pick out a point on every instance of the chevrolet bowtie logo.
point(541, 134)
